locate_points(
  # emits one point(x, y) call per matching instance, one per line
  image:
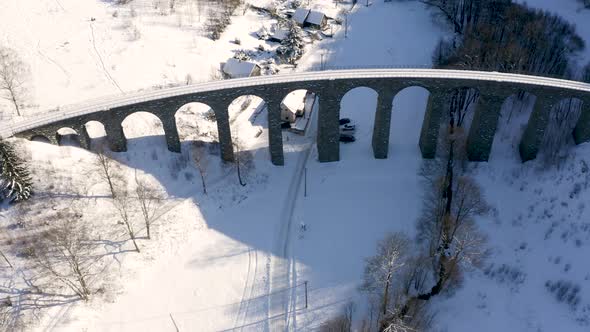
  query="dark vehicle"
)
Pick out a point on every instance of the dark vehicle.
point(348, 127)
point(344, 121)
point(285, 125)
point(347, 138)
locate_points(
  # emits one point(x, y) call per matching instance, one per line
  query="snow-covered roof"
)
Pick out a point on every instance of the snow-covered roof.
point(280, 34)
point(236, 68)
point(295, 100)
point(300, 15)
point(315, 17)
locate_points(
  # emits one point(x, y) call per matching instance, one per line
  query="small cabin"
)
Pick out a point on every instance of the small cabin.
point(293, 106)
point(316, 20)
point(234, 68)
point(300, 16)
point(310, 18)
point(278, 36)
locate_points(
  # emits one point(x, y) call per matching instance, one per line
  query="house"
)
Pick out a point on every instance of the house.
point(300, 16)
point(279, 35)
point(293, 105)
point(234, 68)
point(316, 20)
point(296, 109)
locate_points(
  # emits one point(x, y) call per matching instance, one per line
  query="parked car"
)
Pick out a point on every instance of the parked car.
point(347, 138)
point(348, 127)
point(344, 121)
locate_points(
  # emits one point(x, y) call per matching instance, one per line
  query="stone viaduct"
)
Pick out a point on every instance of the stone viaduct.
point(330, 86)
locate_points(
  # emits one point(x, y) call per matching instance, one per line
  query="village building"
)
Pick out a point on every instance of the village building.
point(279, 35)
point(296, 109)
point(300, 16)
point(310, 18)
point(293, 105)
point(234, 68)
point(316, 20)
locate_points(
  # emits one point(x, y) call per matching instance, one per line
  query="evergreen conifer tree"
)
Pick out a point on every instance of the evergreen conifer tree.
point(291, 48)
point(15, 181)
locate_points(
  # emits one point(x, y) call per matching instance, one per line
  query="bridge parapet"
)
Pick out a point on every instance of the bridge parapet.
point(330, 86)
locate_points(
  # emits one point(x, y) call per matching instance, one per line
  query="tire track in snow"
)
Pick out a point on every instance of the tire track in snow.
point(43, 55)
point(281, 278)
point(104, 68)
point(247, 285)
point(252, 289)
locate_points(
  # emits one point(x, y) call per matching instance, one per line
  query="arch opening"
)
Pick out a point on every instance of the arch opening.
point(512, 122)
point(462, 105)
point(358, 105)
point(68, 137)
point(40, 138)
point(196, 121)
point(95, 129)
point(407, 116)
point(298, 115)
point(247, 117)
point(144, 128)
point(558, 137)
point(247, 121)
point(96, 133)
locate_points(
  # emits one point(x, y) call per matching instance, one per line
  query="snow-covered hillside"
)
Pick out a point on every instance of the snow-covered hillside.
point(215, 258)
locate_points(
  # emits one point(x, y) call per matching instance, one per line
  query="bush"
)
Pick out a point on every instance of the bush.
point(565, 291)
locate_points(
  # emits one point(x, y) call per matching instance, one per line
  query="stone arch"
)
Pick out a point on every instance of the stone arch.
point(250, 106)
point(193, 121)
point(513, 116)
point(362, 97)
point(294, 109)
point(564, 116)
point(246, 120)
point(144, 125)
point(408, 110)
point(40, 138)
point(67, 136)
point(466, 98)
point(94, 131)
point(437, 112)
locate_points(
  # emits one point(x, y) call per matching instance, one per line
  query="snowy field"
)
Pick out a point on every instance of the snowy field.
point(216, 257)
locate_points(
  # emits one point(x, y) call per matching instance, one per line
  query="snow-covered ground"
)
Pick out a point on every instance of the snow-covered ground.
point(217, 257)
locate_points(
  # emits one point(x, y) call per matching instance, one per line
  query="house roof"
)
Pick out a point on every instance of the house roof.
point(300, 15)
point(236, 68)
point(295, 100)
point(280, 34)
point(315, 17)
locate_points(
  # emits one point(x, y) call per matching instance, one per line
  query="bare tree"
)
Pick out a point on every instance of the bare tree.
point(199, 154)
point(557, 137)
point(108, 169)
point(443, 225)
point(342, 322)
point(237, 143)
point(14, 74)
point(123, 205)
point(150, 200)
point(66, 253)
point(381, 269)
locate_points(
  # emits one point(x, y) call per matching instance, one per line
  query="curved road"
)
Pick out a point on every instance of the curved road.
point(110, 102)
